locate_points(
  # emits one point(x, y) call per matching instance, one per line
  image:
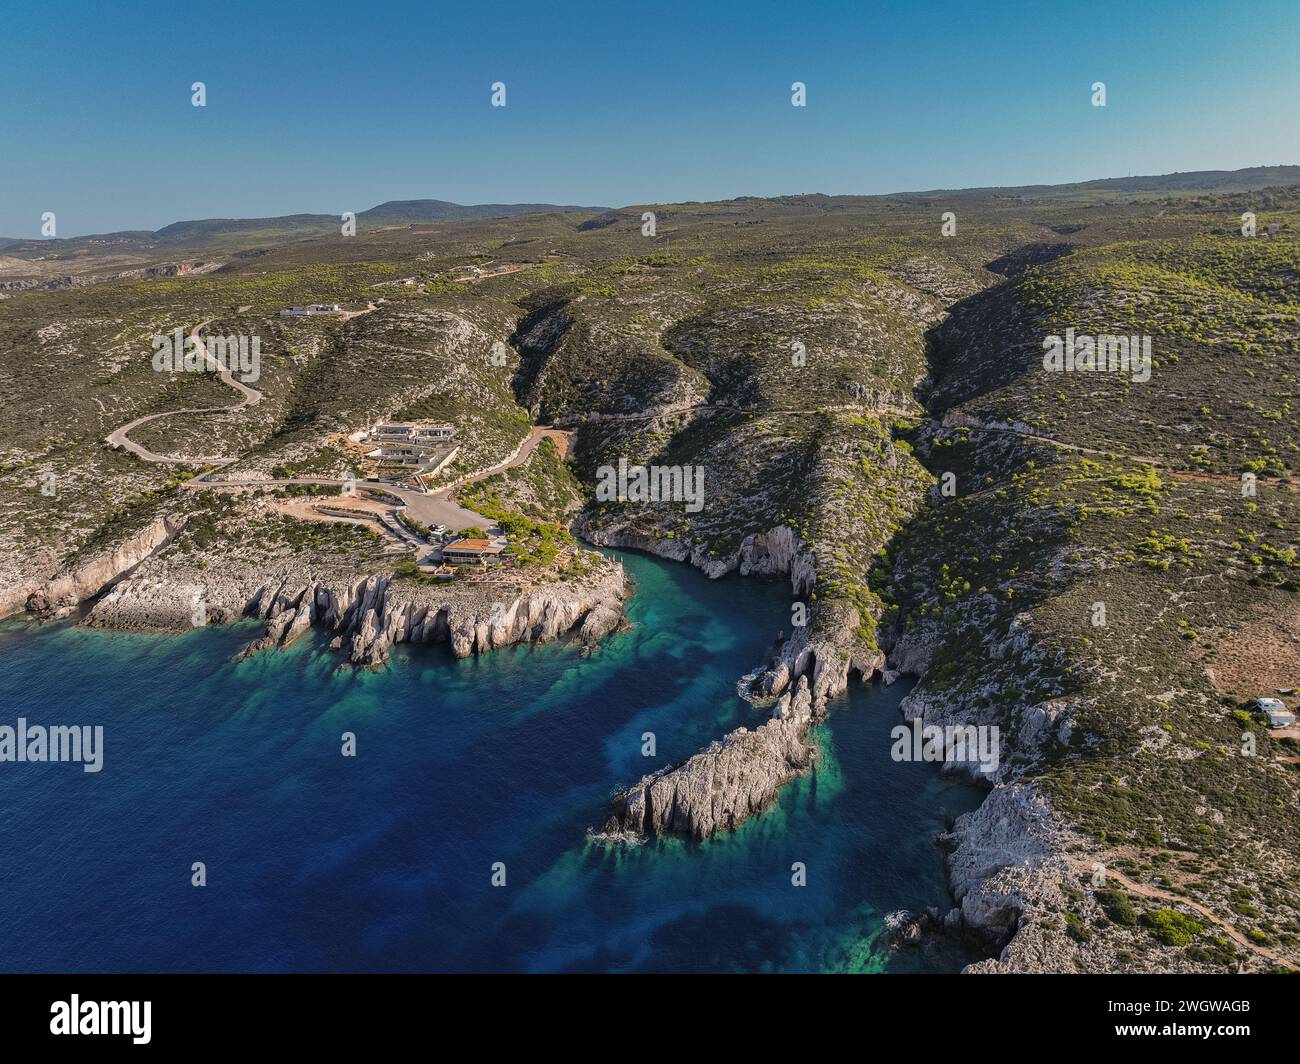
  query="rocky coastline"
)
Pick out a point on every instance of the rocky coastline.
point(1004, 860)
point(370, 614)
point(826, 650)
point(63, 592)
point(741, 774)
point(135, 585)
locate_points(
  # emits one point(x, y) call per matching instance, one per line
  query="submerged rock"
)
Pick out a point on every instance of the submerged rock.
point(904, 928)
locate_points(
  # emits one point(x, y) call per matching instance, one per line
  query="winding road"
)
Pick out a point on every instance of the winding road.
point(429, 508)
point(247, 397)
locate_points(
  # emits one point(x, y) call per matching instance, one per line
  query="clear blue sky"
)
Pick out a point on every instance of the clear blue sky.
point(327, 107)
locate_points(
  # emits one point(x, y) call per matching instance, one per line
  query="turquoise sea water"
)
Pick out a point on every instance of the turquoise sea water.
point(383, 862)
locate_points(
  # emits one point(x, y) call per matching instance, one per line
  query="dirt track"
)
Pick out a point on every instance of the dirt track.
point(247, 397)
point(1229, 929)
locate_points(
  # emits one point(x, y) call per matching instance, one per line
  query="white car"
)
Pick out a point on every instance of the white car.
point(1275, 710)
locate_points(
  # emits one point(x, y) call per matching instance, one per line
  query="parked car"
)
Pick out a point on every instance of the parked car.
point(1275, 710)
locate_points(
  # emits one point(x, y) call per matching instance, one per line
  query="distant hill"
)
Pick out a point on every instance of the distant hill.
point(210, 228)
point(430, 210)
point(203, 231)
point(229, 233)
point(1249, 179)
point(393, 212)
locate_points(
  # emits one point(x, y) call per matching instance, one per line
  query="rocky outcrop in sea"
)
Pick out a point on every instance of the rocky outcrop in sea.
point(740, 775)
point(725, 784)
point(827, 651)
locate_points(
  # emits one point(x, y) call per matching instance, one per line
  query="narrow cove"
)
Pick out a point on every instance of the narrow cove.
point(384, 861)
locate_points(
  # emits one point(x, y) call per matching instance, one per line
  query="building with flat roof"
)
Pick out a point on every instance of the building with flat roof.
point(472, 552)
point(420, 445)
point(1279, 718)
point(412, 432)
point(311, 308)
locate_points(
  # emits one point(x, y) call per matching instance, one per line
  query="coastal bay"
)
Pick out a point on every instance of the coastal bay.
point(384, 861)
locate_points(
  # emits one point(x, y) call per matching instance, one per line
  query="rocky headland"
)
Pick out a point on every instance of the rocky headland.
point(725, 784)
point(139, 584)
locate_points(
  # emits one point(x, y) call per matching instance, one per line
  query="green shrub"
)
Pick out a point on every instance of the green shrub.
point(1116, 905)
point(1171, 927)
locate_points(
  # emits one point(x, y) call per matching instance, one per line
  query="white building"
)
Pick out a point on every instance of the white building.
point(1279, 718)
point(311, 308)
point(416, 444)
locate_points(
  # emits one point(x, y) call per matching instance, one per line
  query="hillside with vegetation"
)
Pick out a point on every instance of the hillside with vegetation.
point(867, 401)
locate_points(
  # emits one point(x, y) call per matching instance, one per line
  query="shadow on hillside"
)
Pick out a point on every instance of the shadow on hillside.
point(1014, 263)
point(986, 340)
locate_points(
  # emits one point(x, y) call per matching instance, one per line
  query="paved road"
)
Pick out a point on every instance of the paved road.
point(436, 508)
point(429, 509)
point(476, 278)
point(247, 397)
point(433, 508)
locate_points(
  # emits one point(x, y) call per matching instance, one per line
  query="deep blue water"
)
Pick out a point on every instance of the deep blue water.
point(317, 862)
